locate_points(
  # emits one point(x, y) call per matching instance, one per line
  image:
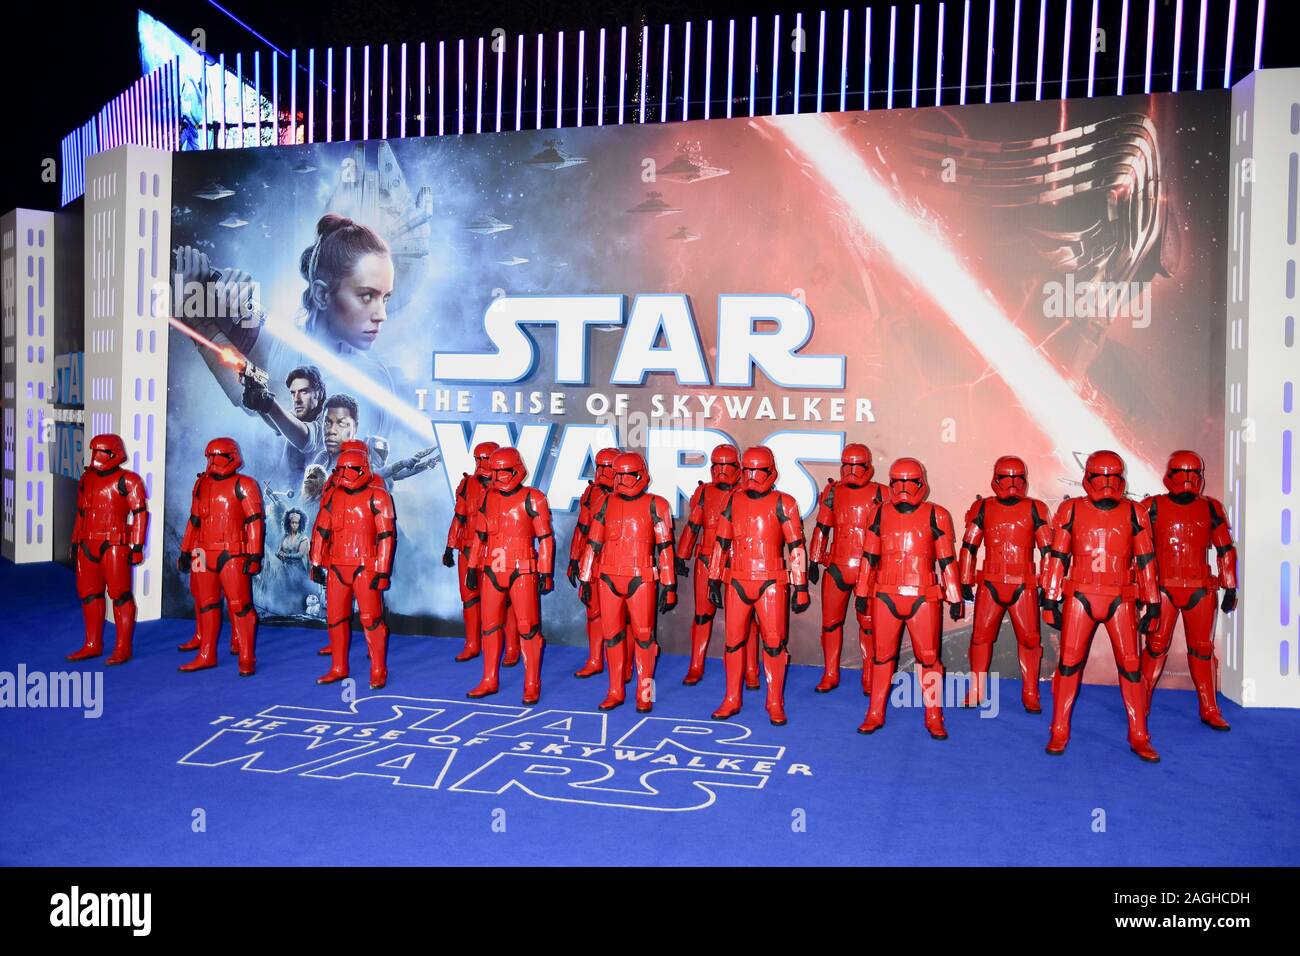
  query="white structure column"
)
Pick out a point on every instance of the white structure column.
point(27, 296)
point(1260, 644)
point(127, 263)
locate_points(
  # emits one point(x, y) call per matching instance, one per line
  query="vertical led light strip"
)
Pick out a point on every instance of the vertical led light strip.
point(1259, 33)
point(753, 64)
point(275, 100)
point(383, 93)
point(731, 63)
point(519, 83)
point(124, 107)
point(347, 94)
point(776, 56)
point(401, 96)
point(1042, 30)
point(1151, 39)
point(866, 66)
point(424, 85)
point(916, 50)
point(1065, 50)
point(239, 73)
point(257, 92)
point(442, 74)
point(1092, 49)
point(799, 42)
point(460, 87)
point(311, 99)
point(821, 59)
point(686, 70)
point(893, 29)
point(1227, 53)
point(559, 82)
point(1200, 50)
point(329, 96)
point(600, 82)
point(965, 50)
point(708, 66)
point(663, 96)
point(541, 57)
point(365, 91)
point(988, 56)
point(501, 71)
point(1178, 43)
point(938, 63)
point(478, 90)
point(622, 72)
point(1123, 47)
point(1015, 48)
point(645, 54)
point(582, 52)
point(844, 63)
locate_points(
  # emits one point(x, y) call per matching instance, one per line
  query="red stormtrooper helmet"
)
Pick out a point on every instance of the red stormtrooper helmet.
point(483, 458)
point(605, 459)
point(724, 464)
point(907, 482)
point(1185, 474)
point(759, 467)
point(630, 475)
point(1010, 477)
point(353, 469)
point(106, 453)
point(855, 465)
point(1103, 476)
point(223, 457)
point(508, 471)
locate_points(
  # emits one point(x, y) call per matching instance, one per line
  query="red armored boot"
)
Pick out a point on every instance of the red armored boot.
point(513, 548)
point(588, 505)
point(1009, 526)
point(628, 562)
point(836, 542)
point(108, 538)
point(352, 549)
point(469, 495)
point(221, 550)
point(696, 545)
point(1185, 525)
point(757, 527)
point(910, 571)
point(1101, 564)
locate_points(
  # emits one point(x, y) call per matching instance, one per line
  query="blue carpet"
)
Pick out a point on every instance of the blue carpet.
point(161, 778)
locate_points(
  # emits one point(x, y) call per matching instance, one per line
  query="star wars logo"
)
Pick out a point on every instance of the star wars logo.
point(659, 763)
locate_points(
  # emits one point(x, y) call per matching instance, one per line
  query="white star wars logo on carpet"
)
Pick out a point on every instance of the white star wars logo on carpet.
point(658, 763)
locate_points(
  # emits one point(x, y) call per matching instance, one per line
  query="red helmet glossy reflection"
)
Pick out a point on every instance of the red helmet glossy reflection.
point(855, 465)
point(1010, 477)
point(508, 471)
point(483, 458)
point(907, 482)
point(223, 457)
point(1103, 476)
point(630, 474)
point(724, 464)
point(759, 467)
point(352, 470)
point(1186, 473)
point(107, 452)
point(605, 467)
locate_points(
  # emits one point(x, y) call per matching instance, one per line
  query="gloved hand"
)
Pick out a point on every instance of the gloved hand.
point(258, 398)
point(957, 610)
point(860, 604)
point(547, 582)
point(968, 592)
point(801, 597)
point(667, 599)
point(1149, 620)
point(584, 592)
point(572, 572)
point(184, 562)
point(137, 554)
point(381, 581)
point(814, 572)
point(449, 558)
point(471, 579)
point(319, 574)
point(715, 592)
point(254, 565)
point(1051, 613)
point(1229, 600)
point(683, 568)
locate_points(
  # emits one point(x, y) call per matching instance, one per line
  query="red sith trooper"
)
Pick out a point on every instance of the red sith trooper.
point(697, 542)
point(1009, 526)
point(842, 515)
point(1100, 567)
point(592, 497)
point(107, 541)
point(757, 525)
point(1185, 525)
point(907, 538)
point(469, 496)
point(353, 543)
point(628, 569)
point(515, 571)
point(221, 550)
